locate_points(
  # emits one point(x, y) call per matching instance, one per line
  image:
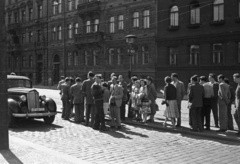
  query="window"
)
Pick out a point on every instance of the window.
point(95, 57)
point(23, 14)
point(76, 3)
point(57, 7)
point(145, 55)
point(23, 38)
point(17, 62)
point(16, 18)
point(88, 27)
point(174, 16)
point(59, 32)
point(135, 58)
point(85, 57)
point(30, 35)
point(75, 58)
point(31, 61)
point(120, 56)
point(111, 25)
point(40, 11)
point(39, 35)
point(194, 13)
point(111, 55)
point(217, 53)
point(173, 56)
point(54, 33)
point(218, 10)
point(135, 19)
point(76, 30)
point(9, 18)
point(120, 22)
point(70, 31)
point(96, 25)
point(30, 14)
point(146, 19)
point(69, 59)
point(238, 52)
point(70, 5)
point(194, 54)
point(24, 62)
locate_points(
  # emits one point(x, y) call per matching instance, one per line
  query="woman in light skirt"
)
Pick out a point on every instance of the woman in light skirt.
point(170, 99)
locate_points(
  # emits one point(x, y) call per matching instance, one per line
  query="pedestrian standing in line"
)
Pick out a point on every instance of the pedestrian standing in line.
point(136, 101)
point(188, 90)
point(224, 97)
point(65, 97)
point(78, 101)
point(110, 81)
point(123, 84)
point(90, 106)
point(71, 102)
point(143, 86)
point(170, 99)
point(145, 107)
point(115, 101)
point(97, 93)
point(130, 87)
point(152, 95)
point(195, 104)
point(214, 99)
point(208, 94)
point(180, 94)
point(59, 86)
point(236, 78)
point(232, 100)
point(106, 96)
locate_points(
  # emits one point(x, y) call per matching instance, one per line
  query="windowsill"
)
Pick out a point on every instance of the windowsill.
point(237, 20)
point(173, 28)
point(197, 25)
point(217, 23)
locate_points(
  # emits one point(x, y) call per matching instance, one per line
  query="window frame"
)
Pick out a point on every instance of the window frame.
point(112, 24)
point(59, 33)
point(195, 13)
point(70, 31)
point(220, 54)
point(40, 11)
point(217, 10)
point(121, 22)
point(88, 26)
point(96, 25)
point(145, 51)
point(194, 54)
point(111, 54)
point(135, 19)
point(146, 19)
point(174, 16)
point(173, 53)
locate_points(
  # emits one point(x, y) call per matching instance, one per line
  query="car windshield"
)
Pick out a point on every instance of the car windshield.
point(19, 83)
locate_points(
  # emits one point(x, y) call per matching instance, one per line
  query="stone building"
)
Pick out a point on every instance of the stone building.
point(198, 37)
point(50, 38)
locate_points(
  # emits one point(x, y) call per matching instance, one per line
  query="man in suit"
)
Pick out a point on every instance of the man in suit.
point(195, 101)
point(236, 78)
point(90, 106)
point(77, 96)
point(59, 85)
point(224, 97)
point(180, 94)
point(123, 84)
point(65, 97)
point(115, 101)
point(152, 95)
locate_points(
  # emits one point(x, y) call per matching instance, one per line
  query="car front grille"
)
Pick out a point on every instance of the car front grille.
point(33, 99)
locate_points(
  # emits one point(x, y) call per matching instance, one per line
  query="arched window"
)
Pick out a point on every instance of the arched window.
point(70, 31)
point(96, 25)
point(218, 10)
point(69, 59)
point(88, 26)
point(56, 59)
point(75, 58)
point(76, 28)
point(194, 13)
point(174, 16)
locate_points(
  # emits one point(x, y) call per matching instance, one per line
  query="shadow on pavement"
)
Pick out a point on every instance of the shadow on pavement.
point(10, 157)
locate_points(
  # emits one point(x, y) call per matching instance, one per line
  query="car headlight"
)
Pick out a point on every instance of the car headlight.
point(43, 97)
point(23, 98)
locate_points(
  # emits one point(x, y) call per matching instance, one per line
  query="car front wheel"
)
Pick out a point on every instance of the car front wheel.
point(49, 120)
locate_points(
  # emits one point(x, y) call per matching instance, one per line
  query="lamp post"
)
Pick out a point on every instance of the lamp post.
point(130, 40)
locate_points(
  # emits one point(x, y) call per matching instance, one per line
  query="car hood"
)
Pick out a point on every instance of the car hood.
point(21, 90)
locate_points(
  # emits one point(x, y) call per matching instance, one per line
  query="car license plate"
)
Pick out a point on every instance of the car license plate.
point(37, 109)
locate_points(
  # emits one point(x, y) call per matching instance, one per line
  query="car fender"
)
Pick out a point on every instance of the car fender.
point(13, 105)
point(51, 105)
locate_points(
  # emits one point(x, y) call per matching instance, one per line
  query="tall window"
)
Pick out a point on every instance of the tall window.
point(30, 14)
point(96, 25)
point(75, 58)
point(76, 3)
point(146, 19)
point(238, 52)
point(85, 57)
point(135, 19)
point(145, 55)
point(95, 57)
point(111, 25)
point(23, 14)
point(30, 61)
point(23, 38)
point(173, 51)
point(218, 10)
point(120, 56)
point(174, 16)
point(218, 53)
point(70, 5)
point(59, 32)
point(40, 11)
point(9, 18)
point(88, 27)
point(195, 13)
point(30, 37)
point(24, 62)
point(194, 54)
point(54, 33)
point(76, 30)
point(69, 59)
point(57, 6)
point(16, 18)
point(111, 55)
point(120, 22)
point(39, 35)
point(70, 31)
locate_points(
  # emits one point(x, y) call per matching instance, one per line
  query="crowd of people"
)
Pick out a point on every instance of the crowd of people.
point(97, 98)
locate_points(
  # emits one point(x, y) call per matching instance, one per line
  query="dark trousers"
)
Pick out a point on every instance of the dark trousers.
point(123, 110)
point(190, 119)
point(230, 118)
point(79, 112)
point(90, 109)
point(196, 118)
point(214, 106)
point(179, 119)
point(237, 118)
point(99, 115)
point(66, 109)
point(206, 112)
point(130, 111)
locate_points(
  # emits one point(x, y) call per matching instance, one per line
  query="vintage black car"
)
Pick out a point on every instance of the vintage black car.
point(25, 102)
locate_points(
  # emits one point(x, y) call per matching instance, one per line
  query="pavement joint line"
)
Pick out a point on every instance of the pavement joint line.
point(47, 150)
point(197, 134)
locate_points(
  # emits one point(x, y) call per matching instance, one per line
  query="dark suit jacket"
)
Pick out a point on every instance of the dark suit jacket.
point(76, 92)
point(170, 92)
point(65, 90)
point(151, 92)
point(86, 88)
point(196, 95)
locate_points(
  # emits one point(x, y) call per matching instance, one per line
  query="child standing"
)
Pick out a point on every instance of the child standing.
point(145, 108)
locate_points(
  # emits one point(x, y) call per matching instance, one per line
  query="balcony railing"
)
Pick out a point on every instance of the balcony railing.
point(89, 38)
point(89, 8)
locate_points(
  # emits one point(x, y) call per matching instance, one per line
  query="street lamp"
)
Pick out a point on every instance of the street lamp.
point(130, 40)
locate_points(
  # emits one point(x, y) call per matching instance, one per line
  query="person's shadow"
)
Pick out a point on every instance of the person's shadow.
point(10, 157)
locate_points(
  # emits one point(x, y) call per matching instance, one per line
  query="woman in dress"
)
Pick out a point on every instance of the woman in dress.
point(136, 100)
point(170, 96)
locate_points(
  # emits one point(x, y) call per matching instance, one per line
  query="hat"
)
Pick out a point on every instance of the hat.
point(98, 75)
point(149, 78)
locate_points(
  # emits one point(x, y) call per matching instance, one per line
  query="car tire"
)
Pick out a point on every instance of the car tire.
point(49, 120)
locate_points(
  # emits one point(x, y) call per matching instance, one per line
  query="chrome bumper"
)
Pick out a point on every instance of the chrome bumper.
point(34, 114)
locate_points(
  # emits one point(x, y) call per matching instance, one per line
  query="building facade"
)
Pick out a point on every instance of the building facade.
point(47, 39)
point(198, 37)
